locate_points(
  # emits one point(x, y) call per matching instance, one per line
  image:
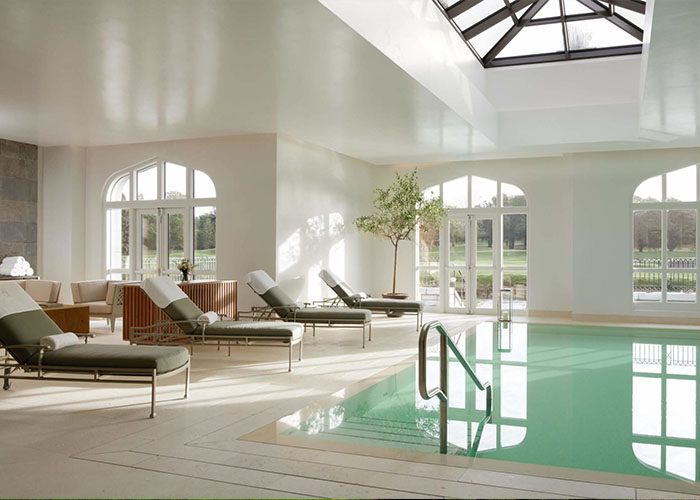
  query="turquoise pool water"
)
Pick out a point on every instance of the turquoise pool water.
point(605, 399)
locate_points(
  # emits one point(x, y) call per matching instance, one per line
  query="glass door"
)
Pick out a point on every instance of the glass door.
point(175, 241)
point(471, 275)
point(484, 275)
point(147, 243)
point(456, 272)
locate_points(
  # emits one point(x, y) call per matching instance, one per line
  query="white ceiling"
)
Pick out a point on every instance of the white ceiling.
point(390, 82)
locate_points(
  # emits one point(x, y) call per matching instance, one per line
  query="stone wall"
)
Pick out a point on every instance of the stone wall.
point(18, 200)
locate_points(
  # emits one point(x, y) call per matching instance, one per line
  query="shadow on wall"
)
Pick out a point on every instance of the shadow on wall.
point(317, 245)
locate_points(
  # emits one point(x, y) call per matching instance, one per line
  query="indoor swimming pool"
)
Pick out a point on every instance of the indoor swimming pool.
point(608, 404)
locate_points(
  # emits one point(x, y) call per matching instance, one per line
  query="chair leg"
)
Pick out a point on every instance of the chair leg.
point(290, 356)
point(7, 383)
point(417, 321)
point(363, 335)
point(153, 395)
point(111, 322)
point(187, 381)
point(301, 343)
point(313, 328)
point(370, 332)
point(218, 345)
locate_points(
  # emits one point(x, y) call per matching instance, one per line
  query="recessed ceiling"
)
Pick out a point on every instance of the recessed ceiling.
point(511, 32)
point(386, 82)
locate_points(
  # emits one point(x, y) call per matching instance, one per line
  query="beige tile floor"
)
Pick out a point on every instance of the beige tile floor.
point(94, 440)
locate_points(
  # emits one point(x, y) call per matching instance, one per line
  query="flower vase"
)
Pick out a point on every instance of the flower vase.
point(185, 276)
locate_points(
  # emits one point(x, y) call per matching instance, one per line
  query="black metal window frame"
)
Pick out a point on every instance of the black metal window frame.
point(601, 9)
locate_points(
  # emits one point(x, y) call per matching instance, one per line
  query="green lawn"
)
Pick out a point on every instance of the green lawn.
point(484, 256)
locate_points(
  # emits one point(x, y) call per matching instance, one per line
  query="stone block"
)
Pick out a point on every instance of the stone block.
point(9, 149)
point(14, 232)
point(12, 211)
point(30, 212)
point(30, 232)
point(28, 151)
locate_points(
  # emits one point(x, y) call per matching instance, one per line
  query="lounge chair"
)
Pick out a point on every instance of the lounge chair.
point(288, 310)
point(360, 300)
point(189, 324)
point(23, 324)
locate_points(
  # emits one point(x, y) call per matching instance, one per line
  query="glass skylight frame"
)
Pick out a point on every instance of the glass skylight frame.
point(523, 14)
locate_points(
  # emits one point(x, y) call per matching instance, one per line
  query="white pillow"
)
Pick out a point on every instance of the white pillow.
point(209, 317)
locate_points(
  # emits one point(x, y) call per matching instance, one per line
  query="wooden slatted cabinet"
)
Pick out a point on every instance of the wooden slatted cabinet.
point(217, 296)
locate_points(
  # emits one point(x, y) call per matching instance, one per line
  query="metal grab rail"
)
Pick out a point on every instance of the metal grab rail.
point(441, 392)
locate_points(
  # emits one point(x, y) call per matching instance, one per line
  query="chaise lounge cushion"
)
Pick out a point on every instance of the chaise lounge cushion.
point(326, 314)
point(162, 359)
point(253, 329)
point(27, 327)
point(397, 304)
point(183, 310)
point(279, 301)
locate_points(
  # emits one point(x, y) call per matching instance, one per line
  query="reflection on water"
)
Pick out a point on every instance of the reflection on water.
point(594, 398)
point(664, 406)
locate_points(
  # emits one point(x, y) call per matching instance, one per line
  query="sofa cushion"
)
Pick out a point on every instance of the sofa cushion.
point(89, 291)
point(43, 290)
point(98, 307)
point(163, 359)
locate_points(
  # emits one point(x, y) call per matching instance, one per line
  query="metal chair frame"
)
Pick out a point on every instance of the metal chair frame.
point(144, 376)
point(168, 332)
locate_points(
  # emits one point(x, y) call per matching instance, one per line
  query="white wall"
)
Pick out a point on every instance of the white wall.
point(319, 194)
point(579, 222)
point(287, 206)
point(63, 210)
point(547, 186)
point(242, 167)
point(603, 187)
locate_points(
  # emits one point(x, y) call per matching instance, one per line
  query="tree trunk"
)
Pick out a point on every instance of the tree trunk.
point(396, 254)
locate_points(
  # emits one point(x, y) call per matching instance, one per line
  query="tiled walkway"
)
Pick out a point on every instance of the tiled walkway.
point(94, 440)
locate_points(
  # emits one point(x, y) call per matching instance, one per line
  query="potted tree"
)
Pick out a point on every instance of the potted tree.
point(398, 210)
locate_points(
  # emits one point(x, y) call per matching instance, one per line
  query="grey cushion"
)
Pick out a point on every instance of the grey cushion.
point(26, 328)
point(345, 293)
point(163, 359)
point(391, 304)
point(326, 314)
point(279, 301)
point(254, 329)
point(183, 310)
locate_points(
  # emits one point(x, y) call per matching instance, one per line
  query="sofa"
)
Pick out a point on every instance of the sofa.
point(105, 298)
point(42, 291)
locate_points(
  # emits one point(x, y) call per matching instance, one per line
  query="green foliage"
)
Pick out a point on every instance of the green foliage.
point(399, 208)
point(205, 231)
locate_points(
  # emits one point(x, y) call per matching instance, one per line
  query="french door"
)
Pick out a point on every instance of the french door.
point(163, 241)
point(470, 270)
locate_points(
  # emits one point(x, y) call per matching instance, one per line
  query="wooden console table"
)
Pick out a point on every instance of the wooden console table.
point(217, 296)
point(70, 318)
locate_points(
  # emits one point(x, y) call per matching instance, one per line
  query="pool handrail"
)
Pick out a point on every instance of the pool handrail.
point(441, 391)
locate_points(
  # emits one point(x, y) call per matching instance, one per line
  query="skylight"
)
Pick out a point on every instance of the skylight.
point(510, 32)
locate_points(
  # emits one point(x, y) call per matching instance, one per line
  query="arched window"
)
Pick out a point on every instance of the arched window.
point(158, 214)
point(486, 231)
point(664, 241)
